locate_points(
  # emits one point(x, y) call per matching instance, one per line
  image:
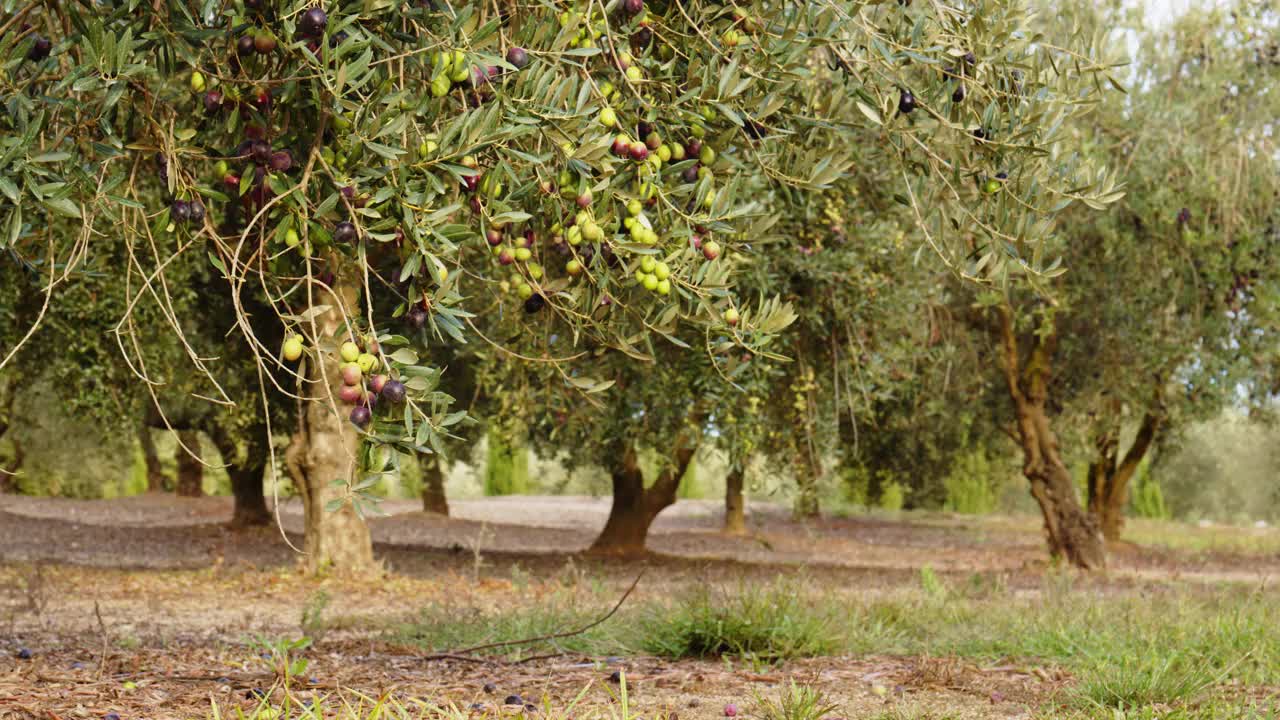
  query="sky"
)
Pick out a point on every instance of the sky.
point(1162, 11)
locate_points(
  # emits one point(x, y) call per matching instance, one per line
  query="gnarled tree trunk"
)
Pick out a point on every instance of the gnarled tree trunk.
point(155, 472)
point(246, 473)
point(9, 469)
point(1071, 533)
point(735, 506)
point(1109, 476)
point(808, 480)
point(433, 498)
point(190, 470)
point(324, 449)
point(634, 506)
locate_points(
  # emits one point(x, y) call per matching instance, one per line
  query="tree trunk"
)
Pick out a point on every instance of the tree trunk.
point(245, 473)
point(1109, 479)
point(634, 506)
point(808, 481)
point(735, 516)
point(9, 469)
point(1071, 533)
point(326, 448)
point(434, 499)
point(155, 472)
point(190, 470)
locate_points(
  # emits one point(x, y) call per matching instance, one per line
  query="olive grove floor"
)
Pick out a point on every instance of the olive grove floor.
point(148, 607)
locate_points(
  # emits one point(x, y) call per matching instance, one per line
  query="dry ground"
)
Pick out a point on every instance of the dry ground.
point(144, 606)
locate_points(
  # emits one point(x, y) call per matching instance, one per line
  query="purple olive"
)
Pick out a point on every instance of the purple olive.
point(517, 57)
point(281, 161)
point(313, 22)
point(180, 211)
point(534, 303)
point(195, 210)
point(212, 102)
point(361, 416)
point(260, 151)
point(344, 232)
point(416, 317)
point(40, 50)
point(393, 392)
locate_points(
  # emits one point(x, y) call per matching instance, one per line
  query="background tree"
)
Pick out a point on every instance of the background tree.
point(1156, 321)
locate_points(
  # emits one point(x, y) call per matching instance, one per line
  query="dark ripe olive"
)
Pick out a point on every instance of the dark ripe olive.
point(906, 102)
point(344, 232)
point(534, 303)
point(244, 45)
point(195, 210)
point(40, 50)
point(313, 22)
point(958, 94)
point(260, 150)
point(416, 317)
point(281, 161)
point(180, 211)
point(518, 57)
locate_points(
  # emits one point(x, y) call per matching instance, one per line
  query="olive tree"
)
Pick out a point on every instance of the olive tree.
point(303, 148)
point(1159, 318)
point(1169, 315)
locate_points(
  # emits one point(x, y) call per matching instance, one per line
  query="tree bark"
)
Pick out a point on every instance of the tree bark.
point(190, 470)
point(1071, 533)
point(325, 449)
point(155, 472)
point(1109, 477)
point(434, 499)
point(735, 516)
point(634, 506)
point(9, 469)
point(808, 481)
point(246, 473)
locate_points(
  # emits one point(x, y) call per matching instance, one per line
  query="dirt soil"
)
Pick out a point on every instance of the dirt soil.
point(145, 606)
point(158, 531)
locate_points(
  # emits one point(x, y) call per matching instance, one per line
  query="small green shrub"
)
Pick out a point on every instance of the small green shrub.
point(969, 485)
point(1147, 498)
point(506, 469)
point(893, 496)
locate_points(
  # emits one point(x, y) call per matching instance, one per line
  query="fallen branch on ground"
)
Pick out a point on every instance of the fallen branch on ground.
point(464, 654)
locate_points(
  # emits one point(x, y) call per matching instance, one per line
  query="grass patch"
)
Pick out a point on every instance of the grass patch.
point(775, 622)
point(1171, 648)
point(442, 627)
point(797, 702)
point(1137, 683)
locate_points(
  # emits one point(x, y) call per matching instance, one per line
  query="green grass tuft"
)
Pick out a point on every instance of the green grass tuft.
point(1143, 682)
point(797, 702)
point(773, 623)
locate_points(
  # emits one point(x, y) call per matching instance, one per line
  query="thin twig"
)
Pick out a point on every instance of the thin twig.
point(464, 652)
point(102, 627)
